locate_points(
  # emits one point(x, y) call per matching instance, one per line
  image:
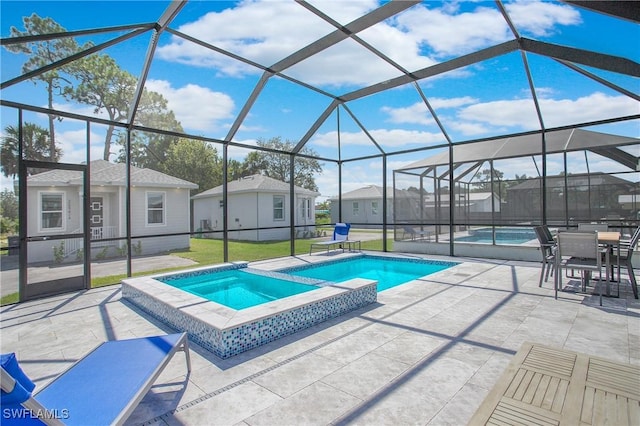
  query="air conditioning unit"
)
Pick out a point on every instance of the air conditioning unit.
point(205, 224)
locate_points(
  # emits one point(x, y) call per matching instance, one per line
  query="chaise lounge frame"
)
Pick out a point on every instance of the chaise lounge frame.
point(107, 384)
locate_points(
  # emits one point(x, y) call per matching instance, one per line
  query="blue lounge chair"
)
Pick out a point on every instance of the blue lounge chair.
point(340, 238)
point(102, 388)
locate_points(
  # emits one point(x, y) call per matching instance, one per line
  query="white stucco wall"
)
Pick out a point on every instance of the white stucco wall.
point(176, 219)
point(251, 210)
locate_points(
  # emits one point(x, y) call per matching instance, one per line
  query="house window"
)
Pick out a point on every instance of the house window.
point(374, 208)
point(356, 208)
point(306, 208)
point(155, 208)
point(278, 207)
point(51, 211)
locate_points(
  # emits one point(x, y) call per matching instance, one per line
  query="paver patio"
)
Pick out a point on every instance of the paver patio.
point(427, 352)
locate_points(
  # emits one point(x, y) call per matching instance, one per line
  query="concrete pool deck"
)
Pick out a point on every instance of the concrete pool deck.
point(423, 354)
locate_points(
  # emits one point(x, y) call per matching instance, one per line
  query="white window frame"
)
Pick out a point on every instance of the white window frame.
point(356, 208)
point(305, 209)
point(164, 208)
point(275, 209)
point(374, 208)
point(62, 211)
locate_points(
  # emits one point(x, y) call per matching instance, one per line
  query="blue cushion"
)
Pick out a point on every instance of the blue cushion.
point(13, 413)
point(24, 386)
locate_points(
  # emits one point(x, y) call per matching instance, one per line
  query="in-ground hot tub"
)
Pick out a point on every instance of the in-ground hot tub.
point(226, 331)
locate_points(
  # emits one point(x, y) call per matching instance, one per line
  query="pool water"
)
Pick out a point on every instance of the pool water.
point(238, 288)
point(388, 272)
point(503, 236)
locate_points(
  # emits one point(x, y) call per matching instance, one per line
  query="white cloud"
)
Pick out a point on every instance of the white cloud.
point(264, 32)
point(587, 108)
point(418, 113)
point(268, 31)
point(449, 32)
point(467, 128)
point(385, 137)
point(74, 145)
point(520, 113)
point(213, 108)
point(541, 18)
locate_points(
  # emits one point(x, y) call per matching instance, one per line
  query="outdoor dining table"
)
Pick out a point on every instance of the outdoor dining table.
point(611, 239)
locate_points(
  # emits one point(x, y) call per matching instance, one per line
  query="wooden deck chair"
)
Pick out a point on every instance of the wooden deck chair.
point(102, 388)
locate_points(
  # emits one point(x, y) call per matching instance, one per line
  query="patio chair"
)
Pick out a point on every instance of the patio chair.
point(548, 250)
point(413, 233)
point(627, 248)
point(579, 251)
point(102, 388)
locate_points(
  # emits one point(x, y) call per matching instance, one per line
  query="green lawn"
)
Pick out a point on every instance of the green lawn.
point(208, 252)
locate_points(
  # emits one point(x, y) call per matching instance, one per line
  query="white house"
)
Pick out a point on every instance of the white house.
point(362, 206)
point(159, 205)
point(255, 202)
point(473, 202)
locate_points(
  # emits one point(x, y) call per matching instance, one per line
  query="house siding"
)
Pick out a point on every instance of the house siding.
point(176, 219)
point(42, 251)
point(365, 217)
point(252, 210)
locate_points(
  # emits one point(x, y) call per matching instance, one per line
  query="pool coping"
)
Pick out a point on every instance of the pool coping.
point(226, 331)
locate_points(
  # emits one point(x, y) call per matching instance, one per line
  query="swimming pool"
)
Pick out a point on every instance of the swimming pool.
point(226, 331)
point(388, 272)
point(238, 288)
point(503, 236)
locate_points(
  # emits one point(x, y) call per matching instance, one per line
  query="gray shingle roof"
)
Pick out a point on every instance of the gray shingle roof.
point(369, 191)
point(106, 173)
point(255, 183)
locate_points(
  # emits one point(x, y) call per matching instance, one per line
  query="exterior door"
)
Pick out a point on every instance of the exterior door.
point(96, 219)
point(53, 258)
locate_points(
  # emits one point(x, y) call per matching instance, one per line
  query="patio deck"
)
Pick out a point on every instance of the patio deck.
point(427, 352)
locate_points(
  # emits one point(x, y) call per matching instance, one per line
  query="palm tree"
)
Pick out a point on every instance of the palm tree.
point(35, 146)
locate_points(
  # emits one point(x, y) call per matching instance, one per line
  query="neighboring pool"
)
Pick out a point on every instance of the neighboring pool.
point(238, 288)
point(389, 272)
point(503, 236)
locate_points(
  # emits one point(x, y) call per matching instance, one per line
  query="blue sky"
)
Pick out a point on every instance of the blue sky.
point(206, 90)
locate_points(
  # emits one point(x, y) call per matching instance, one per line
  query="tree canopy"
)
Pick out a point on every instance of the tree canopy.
point(36, 146)
point(277, 165)
point(45, 52)
point(195, 161)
